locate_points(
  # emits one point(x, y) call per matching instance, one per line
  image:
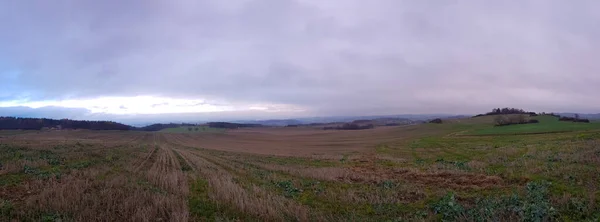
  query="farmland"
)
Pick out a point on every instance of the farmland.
point(548, 124)
point(460, 170)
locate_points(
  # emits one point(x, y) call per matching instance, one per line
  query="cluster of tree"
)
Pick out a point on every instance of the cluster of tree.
point(512, 120)
point(506, 111)
point(161, 126)
point(437, 120)
point(226, 125)
point(549, 114)
point(574, 119)
point(193, 128)
point(16, 123)
point(350, 126)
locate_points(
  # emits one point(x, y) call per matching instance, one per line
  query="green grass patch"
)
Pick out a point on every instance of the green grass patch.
point(202, 208)
point(547, 124)
point(535, 205)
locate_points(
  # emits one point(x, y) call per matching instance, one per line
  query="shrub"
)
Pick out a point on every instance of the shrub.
point(501, 121)
point(511, 120)
point(438, 121)
point(571, 119)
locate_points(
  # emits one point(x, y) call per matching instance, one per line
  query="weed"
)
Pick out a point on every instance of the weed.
point(536, 206)
point(52, 217)
point(289, 190)
point(6, 209)
point(578, 208)
point(387, 184)
point(42, 174)
point(344, 158)
point(419, 161)
point(50, 157)
point(314, 185)
point(462, 165)
point(80, 164)
point(554, 158)
point(448, 208)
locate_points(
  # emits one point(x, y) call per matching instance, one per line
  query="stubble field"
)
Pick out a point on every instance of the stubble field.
point(424, 172)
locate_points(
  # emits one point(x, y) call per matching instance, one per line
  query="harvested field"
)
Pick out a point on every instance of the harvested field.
point(424, 172)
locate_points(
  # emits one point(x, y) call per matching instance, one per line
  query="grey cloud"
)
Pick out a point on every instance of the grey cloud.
point(45, 112)
point(332, 57)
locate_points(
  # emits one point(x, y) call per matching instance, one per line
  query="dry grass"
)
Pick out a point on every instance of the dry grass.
point(253, 201)
point(287, 174)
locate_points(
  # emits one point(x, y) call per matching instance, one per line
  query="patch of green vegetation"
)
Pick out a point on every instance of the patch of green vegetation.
point(534, 206)
point(184, 165)
point(547, 124)
point(461, 165)
point(193, 129)
point(6, 209)
point(11, 152)
point(52, 158)
point(43, 173)
point(12, 179)
point(288, 189)
point(202, 208)
point(53, 217)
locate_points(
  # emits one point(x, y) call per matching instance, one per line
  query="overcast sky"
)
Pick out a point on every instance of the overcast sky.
point(291, 58)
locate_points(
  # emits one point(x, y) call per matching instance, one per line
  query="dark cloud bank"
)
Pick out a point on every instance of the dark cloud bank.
point(349, 57)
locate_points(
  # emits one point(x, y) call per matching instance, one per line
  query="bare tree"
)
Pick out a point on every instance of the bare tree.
point(500, 120)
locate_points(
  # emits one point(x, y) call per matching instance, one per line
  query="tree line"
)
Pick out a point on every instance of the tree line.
point(17, 123)
point(506, 111)
point(350, 126)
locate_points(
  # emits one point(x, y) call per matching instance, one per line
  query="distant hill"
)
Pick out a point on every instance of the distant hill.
point(581, 115)
point(378, 120)
point(227, 125)
point(16, 123)
point(272, 122)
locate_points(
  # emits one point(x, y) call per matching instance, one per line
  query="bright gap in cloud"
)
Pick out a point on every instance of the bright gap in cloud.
point(149, 105)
